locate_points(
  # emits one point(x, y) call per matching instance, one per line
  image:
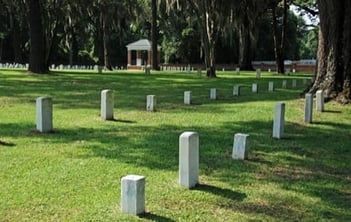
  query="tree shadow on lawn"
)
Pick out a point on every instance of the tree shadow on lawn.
point(304, 163)
point(82, 90)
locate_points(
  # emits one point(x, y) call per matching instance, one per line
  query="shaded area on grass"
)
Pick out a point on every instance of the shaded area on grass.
point(154, 217)
point(226, 193)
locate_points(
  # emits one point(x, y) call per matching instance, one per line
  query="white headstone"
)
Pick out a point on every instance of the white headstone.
point(308, 107)
point(284, 85)
point(199, 72)
point(188, 159)
point(258, 73)
point(237, 70)
point(254, 87)
point(294, 84)
point(100, 69)
point(304, 81)
point(133, 194)
point(107, 104)
point(320, 100)
point(236, 90)
point(147, 71)
point(271, 86)
point(213, 94)
point(240, 146)
point(279, 119)
point(187, 97)
point(44, 114)
point(151, 103)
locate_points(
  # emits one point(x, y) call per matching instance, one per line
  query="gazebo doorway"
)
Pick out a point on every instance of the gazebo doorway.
point(140, 54)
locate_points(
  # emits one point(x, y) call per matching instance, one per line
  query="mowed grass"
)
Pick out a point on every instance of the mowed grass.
point(73, 174)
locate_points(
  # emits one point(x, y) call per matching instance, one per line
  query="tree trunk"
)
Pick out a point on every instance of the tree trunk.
point(37, 48)
point(334, 69)
point(245, 47)
point(346, 92)
point(279, 37)
point(106, 42)
point(1, 45)
point(154, 35)
point(16, 41)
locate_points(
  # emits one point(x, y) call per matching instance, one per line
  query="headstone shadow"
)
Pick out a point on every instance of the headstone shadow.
point(154, 217)
point(4, 143)
point(226, 193)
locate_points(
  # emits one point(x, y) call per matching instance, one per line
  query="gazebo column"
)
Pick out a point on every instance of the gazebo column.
point(129, 57)
point(138, 58)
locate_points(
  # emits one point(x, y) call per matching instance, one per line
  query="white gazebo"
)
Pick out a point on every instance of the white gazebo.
point(140, 54)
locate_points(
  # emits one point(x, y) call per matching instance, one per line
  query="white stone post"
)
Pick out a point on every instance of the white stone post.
point(187, 97)
point(188, 159)
point(236, 90)
point(151, 103)
point(133, 194)
point(279, 119)
point(308, 107)
point(240, 146)
point(284, 84)
point(199, 72)
point(44, 114)
point(237, 70)
point(107, 104)
point(269, 70)
point(271, 86)
point(320, 100)
point(304, 81)
point(147, 70)
point(254, 88)
point(258, 73)
point(213, 94)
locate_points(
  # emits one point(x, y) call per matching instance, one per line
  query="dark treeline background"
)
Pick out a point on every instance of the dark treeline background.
point(96, 31)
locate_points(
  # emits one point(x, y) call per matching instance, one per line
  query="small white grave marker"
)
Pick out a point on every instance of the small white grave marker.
point(237, 70)
point(151, 103)
point(254, 88)
point(240, 146)
point(236, 90)
point(107, 104)
point(284, 85)
point(199, 72)
point(44, 114)
point(271, 86)
point(278, 122)
point(258, 73)
point(133, 194)
point(320, 100)
point(294, 83)
point(188, 159)
point(187, 97)
point(213, 94)
point(308, 107)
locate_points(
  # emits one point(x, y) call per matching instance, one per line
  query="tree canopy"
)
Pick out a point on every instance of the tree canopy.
point(96, 31)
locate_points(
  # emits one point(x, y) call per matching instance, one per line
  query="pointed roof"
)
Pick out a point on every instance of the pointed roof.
point(142, 44)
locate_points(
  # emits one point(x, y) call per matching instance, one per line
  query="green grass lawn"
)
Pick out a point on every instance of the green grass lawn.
point(73, 174)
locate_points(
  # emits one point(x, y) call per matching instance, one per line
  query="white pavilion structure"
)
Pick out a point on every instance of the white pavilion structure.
point(140, 54)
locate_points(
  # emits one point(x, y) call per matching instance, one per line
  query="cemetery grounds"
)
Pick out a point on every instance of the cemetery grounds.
point(74, 173)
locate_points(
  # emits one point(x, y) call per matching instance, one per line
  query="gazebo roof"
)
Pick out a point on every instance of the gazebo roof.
point(142, 44)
